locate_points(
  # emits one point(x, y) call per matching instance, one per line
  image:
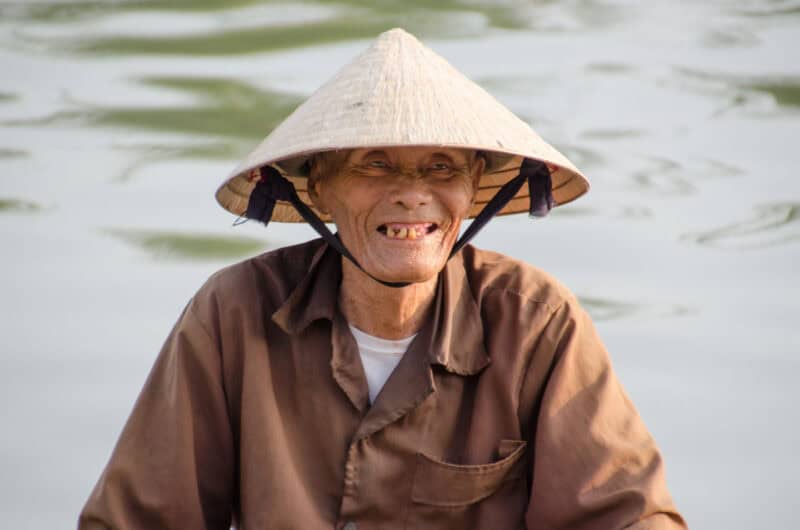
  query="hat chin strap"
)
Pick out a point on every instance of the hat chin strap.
point(273, 187)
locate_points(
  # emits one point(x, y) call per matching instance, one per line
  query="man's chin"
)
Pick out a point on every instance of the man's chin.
point(407, 274)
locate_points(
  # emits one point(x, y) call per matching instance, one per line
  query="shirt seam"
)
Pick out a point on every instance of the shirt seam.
point(220, 357)
point(203, 325)
point(530, 354)
point(527, 298)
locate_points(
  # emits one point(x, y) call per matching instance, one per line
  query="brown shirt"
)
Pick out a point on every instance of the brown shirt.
point(504, 413)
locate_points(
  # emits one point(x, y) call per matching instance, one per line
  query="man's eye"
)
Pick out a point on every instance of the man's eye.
point(379, 164)
point(440, 166)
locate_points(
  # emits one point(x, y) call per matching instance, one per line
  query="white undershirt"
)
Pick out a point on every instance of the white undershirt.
point(379, 358)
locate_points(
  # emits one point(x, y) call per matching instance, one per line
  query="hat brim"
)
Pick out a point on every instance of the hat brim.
point(567, 183)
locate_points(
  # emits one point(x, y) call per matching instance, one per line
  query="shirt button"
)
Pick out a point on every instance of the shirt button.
point(350, 526)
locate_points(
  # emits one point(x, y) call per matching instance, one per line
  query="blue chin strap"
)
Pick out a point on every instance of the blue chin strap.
point(273, 187)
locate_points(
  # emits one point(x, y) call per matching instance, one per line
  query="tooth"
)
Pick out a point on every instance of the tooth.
point(412, 234)
point(389, 231)
point(402, 233)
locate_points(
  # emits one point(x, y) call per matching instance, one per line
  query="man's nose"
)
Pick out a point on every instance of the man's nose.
point(410, 192)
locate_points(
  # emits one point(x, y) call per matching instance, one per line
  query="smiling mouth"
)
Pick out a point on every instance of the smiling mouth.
point(407, 231)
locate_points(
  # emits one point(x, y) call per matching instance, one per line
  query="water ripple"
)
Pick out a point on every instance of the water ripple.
point(147, 155)
point(236, 42)
point(232, 112)
point(744, 92)
point(163, 245)
point(6, 153)
point(583, 157)
point(226, 33)
point(204, 28)
point(607, 309)
point(785, 92)
point(612, 134)
point(770, 225)
point(665, 176)
point(611, 212)
point(224, 107)
point(775, 8)
point(610, 67)
point(19, 205)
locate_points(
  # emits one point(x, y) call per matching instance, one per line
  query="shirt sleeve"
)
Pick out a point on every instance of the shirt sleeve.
point(173, 465)
point(595, 466)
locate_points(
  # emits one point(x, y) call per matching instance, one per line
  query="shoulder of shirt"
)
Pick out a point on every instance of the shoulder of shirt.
point(269, 277)
point(490, 272)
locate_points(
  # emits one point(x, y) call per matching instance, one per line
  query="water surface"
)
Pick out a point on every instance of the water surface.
point(118, 119)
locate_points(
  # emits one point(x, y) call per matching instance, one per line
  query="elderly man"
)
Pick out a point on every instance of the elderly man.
point(388, 376)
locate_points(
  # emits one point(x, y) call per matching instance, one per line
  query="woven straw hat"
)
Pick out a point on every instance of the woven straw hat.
point(399, 93)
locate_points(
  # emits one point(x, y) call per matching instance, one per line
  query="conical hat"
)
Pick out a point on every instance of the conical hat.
point(400, 93)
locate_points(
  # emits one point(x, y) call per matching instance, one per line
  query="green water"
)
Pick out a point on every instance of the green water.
point(174, 245)
point(119, 119)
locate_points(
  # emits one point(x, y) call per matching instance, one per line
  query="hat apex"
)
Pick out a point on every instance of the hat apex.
point(398, 92)
point(395, 33)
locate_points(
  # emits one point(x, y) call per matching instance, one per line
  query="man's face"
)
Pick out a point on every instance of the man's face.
point(399, 209)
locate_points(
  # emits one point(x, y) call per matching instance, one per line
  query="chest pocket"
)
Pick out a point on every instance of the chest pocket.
point(460, 496)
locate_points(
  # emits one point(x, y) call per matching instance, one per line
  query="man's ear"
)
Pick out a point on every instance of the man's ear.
point(314, 193)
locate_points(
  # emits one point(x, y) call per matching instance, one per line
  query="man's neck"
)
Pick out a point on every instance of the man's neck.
point(386, 312)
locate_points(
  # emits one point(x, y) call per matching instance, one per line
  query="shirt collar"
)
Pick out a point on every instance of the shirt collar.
point(454, 334)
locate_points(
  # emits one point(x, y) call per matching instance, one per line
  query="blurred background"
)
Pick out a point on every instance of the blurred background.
point(119, 118)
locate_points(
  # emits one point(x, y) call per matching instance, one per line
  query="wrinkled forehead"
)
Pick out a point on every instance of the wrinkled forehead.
point(410, 154)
